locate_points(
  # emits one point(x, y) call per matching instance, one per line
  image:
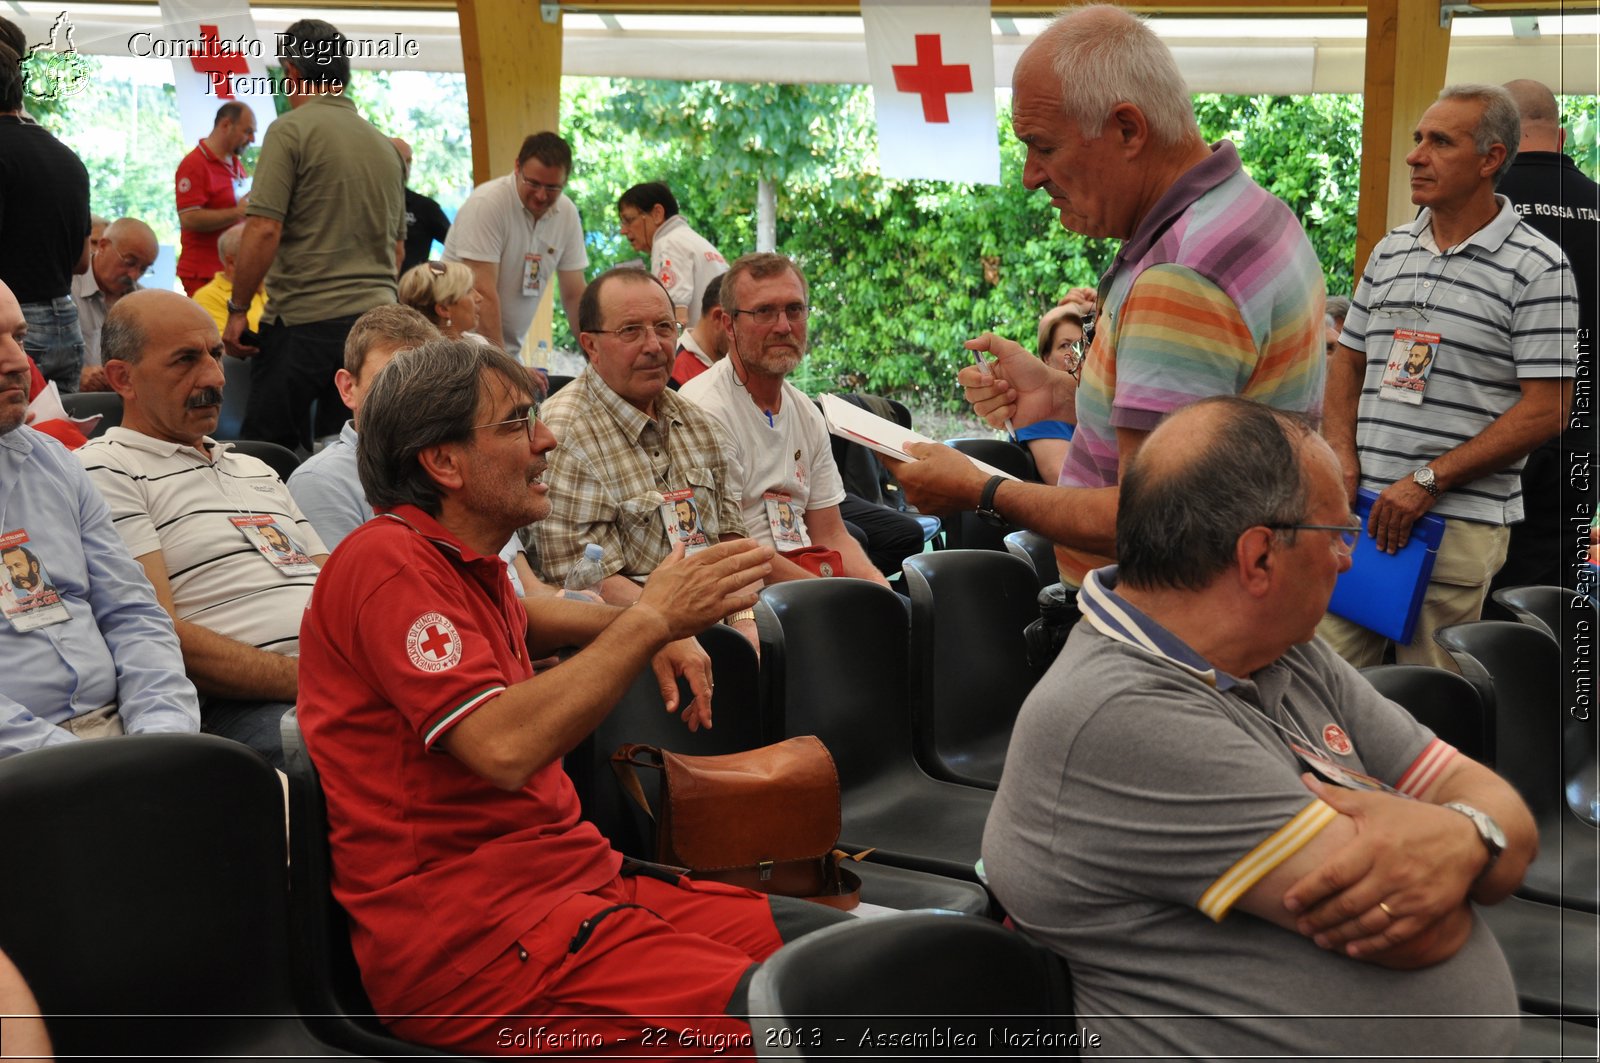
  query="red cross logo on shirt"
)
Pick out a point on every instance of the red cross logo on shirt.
point(220, 64)
point(432, 643)
point(435, 642)
point(932, 79)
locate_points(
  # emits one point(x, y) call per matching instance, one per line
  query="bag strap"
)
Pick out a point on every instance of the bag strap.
point(623, 763)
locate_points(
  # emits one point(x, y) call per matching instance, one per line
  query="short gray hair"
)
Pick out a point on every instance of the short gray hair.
point(426, 396)
point(1501, 122)
point(1179, 516)
point(122, 338)
point(228, 242)
point(1103, 56)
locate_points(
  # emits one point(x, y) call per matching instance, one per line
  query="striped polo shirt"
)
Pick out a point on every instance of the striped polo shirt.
point(1218, 292)
point(166, 496)
point(1504, 307)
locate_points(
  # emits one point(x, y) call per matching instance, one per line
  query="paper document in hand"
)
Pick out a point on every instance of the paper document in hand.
point(851, 422)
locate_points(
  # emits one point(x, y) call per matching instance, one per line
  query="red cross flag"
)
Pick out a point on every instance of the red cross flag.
point(932, 66)
point(217, 56)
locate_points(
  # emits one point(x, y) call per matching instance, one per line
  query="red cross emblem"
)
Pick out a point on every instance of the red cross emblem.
point(932, 79)
point(1336, 740)
point(432, 643)
point(219, 64)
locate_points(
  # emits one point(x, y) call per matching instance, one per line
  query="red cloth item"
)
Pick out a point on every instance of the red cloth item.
point(63, 431)
point(642, 969)
point(687, 366)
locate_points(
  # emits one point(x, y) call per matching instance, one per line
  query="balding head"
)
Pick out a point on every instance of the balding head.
point(1206, 474)
point(1541, 115)
point(164, 357)
point(405, 152)
point(127, 249)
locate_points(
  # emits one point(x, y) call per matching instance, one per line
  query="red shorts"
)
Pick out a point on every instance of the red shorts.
point(641, 968)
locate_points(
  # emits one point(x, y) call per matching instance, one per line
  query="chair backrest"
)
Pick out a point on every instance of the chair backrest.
point(1038, 552)
point(641, 717)
point(834, 664)
point(282, 460)
point(969, 662)
point(108, 404)
point(1001, 453)
point(145, 876)
point(968, 531)
point(1524, 666)
point(559, 381)
point(327, 981)
point(1441, 701)
point(902, 974)
point(1542, 607)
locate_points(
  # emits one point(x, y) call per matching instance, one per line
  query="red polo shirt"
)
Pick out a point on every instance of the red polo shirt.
point(204, 181)
point(408, 632)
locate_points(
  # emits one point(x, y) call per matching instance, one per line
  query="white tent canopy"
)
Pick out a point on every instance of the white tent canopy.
point(1289, 55)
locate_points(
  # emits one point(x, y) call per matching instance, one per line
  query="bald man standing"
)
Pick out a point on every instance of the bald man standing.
point(1554, 197)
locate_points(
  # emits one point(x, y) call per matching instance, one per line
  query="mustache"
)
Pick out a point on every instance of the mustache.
point(204, 397)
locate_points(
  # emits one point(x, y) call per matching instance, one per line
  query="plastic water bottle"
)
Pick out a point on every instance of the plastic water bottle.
point(583, 582)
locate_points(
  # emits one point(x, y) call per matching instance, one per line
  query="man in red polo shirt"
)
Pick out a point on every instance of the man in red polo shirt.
point(208, 180)
point(475, 890)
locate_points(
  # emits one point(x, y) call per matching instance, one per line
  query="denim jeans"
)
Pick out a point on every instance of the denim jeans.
point(254, 723)
point(54, 342)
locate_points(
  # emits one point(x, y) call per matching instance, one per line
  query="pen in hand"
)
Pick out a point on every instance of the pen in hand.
point(989, 378)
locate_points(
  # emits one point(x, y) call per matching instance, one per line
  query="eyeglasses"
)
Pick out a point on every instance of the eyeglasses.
point(132, 263)
point(665, 331)
point(526, 421)
point(554, 190)
point(1072, 354)
point(1346, 537)
point(629, 221)
point(768, 315)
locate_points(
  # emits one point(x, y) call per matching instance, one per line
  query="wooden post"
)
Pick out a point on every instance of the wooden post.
point(1406, 54)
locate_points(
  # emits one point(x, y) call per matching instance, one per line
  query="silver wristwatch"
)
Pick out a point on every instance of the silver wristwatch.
point(1494, 839)
point(1425, 479)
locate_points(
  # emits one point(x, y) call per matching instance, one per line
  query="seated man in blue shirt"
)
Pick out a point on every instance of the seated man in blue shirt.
point(88, 650)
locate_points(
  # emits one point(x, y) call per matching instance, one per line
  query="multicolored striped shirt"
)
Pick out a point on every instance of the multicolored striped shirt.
point(1218, 292)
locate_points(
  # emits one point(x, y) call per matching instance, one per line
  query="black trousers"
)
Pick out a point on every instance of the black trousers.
point(293, 373)
point(887, 535)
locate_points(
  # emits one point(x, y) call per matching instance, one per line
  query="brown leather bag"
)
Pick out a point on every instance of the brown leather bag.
point(766, 819)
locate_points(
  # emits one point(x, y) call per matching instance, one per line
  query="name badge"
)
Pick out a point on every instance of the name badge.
point(532, 276)
point(1411, 358)
point(1337, 774)
point(788, 533)
point(29, 600)
point(681, 517)
point(272, 542)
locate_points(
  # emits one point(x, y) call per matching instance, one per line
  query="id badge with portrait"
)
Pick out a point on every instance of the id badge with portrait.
point(1411, 358)
point(681, 517)
point(1337, 774)
point(787, 533)
point(263, 532)
point(30, 601)
point(532, 277)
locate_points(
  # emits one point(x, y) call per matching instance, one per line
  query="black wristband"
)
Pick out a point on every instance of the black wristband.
point(986, 511)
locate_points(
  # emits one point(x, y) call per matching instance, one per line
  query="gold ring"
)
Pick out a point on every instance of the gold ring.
point(1388, 911)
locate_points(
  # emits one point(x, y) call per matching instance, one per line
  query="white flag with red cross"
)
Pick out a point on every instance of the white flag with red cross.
point(932, 67)
point(217, 57)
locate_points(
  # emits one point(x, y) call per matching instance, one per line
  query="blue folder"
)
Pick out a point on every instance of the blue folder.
point(1383, 592)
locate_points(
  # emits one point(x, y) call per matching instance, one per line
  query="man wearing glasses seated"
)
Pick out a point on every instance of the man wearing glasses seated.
point(516, 233)
point(1240, 847)
point(634, 456)
point(127, 251)
point(779, 442)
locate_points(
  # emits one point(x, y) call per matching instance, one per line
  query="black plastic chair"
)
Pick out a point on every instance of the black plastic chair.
point(282, 460)
point(1038, 552)
point(1524, 666)
point(969, 662)
point(558, 381)
point(904, 974)
point(968, 531)
point(834, 658)
point(327, 982)
point(1551, 953)
point(108, 404)
point(864, 473)
point(147, 899)
point(1442, 701)
point(740, 724)
point(1542, 607)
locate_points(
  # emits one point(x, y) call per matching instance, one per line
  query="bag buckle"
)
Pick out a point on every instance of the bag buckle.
point(764, 869)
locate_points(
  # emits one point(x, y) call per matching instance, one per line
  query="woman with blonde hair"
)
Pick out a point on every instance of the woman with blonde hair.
point(444, 293)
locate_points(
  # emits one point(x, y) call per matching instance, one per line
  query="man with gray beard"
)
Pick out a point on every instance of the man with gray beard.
point(203, 519)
